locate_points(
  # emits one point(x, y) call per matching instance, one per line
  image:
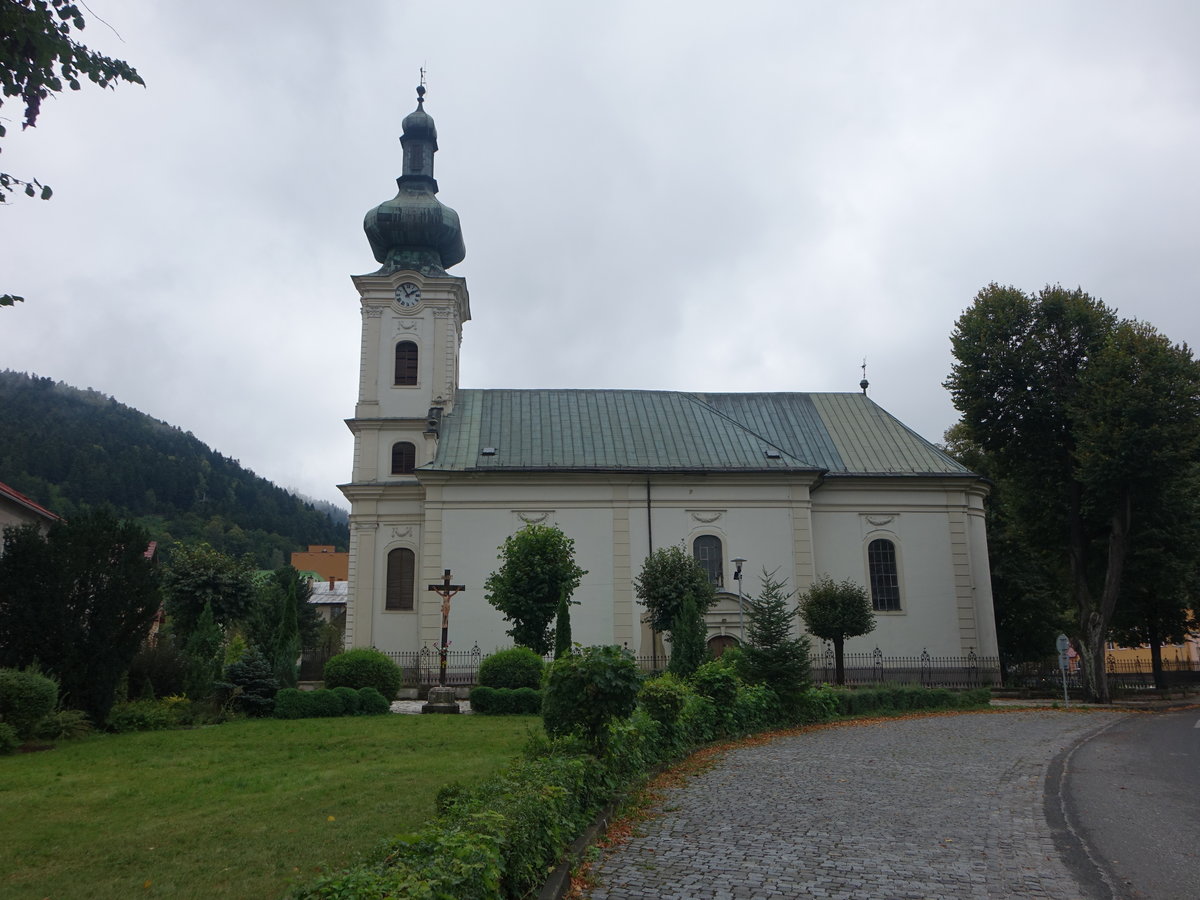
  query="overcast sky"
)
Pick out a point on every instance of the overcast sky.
point(692, 196)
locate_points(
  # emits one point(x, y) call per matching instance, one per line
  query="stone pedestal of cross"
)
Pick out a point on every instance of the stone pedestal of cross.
point(441, 698)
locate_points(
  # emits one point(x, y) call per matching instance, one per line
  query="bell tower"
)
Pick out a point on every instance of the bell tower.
point(412, 317)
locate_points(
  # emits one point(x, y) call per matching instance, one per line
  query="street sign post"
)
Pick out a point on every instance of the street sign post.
point(1064, 644)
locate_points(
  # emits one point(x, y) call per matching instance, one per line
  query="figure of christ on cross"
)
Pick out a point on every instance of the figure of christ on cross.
point(446, 590)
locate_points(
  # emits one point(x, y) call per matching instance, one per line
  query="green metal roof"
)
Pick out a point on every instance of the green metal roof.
point(674, 431)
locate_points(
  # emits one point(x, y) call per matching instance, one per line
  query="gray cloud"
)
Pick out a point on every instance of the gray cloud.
point(683, 196)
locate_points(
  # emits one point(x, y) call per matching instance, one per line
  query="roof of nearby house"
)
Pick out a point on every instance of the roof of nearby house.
point(324, 592)
point(14, 496)
point(674, 431)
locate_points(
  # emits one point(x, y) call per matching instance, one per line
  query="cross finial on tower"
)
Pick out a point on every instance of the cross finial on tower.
point(421, 88)
point(864, 384)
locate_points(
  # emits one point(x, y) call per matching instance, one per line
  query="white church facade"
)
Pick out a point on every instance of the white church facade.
point(799, 484)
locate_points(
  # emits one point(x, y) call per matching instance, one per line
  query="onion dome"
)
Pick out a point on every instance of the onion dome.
point(414, 230)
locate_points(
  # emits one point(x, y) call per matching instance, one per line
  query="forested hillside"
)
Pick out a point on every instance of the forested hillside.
point(68, 449)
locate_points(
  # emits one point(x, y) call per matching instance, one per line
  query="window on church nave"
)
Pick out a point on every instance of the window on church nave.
point(401, 571)
point(406, 363)
point(404, 458)
point(707, 550)
point(885, 575)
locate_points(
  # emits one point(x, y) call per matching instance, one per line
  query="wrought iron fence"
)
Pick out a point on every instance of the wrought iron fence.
point(420, 668)
point(970, 671)
point(1131, 674)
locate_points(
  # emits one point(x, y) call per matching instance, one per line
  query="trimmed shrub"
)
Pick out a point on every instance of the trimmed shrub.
point(663, 698)
point(519, 667)
point(506, 701)
point(372, 703)
point(291, 703)
point(139, 715)
point(364, 667)
point(26, 697)
point(349, 699)
point(325, 704)
point(816, 705)
point(9, 742)
point(585, 692)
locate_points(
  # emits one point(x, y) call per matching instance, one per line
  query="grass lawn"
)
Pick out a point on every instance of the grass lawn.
point(238, 810)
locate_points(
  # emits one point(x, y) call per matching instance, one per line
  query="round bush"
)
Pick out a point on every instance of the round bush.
point(484, 699)
point(526, 702)
point(364, 667)
point(291, 703)
point(325, 704)
point(519, 667)
point(372, 703)
point(349, 698)
point(25, 699)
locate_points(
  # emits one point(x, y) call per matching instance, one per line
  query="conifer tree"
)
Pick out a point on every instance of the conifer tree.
point(774, 656)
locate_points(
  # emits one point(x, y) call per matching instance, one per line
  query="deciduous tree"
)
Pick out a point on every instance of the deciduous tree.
point(39, 56)
point(537, 573)
point(1085, 417)
point(836, 610)
point(197, 575)
point(670, 580)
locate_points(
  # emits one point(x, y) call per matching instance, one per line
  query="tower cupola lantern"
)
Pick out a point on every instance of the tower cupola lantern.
point(414, 230)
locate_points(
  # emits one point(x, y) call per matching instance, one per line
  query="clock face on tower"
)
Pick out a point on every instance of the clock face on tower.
point(408, 294)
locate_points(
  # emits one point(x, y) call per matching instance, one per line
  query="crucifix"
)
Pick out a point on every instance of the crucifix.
point(445, 590)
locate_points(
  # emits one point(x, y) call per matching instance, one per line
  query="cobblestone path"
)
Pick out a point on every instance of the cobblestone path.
point(942, 807)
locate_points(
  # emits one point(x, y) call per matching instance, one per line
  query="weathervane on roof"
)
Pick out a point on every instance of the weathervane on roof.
point(864, 384)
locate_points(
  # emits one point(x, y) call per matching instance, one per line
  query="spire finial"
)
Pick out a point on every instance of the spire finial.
point(421, 88)
point(864, 384)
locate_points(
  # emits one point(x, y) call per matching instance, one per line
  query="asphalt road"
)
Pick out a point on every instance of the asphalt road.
point(1127, 799)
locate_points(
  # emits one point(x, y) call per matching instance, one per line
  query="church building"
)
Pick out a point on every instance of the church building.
point(799, 484)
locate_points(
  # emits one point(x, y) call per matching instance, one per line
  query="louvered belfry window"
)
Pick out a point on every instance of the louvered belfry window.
point(404, 458)
point(707, 550)
point(885, 575)
point(406, 363)
point(401, 571)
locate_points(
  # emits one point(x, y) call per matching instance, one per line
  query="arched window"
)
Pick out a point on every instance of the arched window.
point(707, 550)
point(885, 575)
point(401, 572)
point(406, 363)
point(404, 458)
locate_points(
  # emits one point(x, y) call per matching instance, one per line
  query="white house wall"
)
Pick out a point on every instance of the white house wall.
point(771, 521)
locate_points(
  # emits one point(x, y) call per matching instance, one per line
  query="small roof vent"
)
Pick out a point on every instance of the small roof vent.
point(488, 451)
point(773, 454)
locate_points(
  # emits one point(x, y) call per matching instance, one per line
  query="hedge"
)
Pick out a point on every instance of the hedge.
point(491, 701)
point(498, 839)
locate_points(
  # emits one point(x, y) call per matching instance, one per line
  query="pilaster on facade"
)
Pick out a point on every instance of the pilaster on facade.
point(802, 537)
point(622, 560)
point(431, 569)
point(964, 582)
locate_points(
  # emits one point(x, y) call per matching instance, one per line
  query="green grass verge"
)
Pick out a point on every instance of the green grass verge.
point(237, 810)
